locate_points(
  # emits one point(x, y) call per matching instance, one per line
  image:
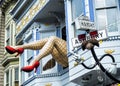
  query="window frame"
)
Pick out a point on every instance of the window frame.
point(28, 39)
point(8, 32)
point(106, 8)
point(81, 13)
point(7, 82)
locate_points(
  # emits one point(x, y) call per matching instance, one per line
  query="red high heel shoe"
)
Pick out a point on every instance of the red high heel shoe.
point(11, 50)
point(31, 67)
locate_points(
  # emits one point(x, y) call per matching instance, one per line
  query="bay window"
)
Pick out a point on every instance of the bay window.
point(9, 79)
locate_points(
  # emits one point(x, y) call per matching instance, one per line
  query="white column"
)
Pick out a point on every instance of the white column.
point(69, 27)
point(87, 8)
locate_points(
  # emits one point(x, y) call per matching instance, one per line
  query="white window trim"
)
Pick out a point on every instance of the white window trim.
point(111, 33)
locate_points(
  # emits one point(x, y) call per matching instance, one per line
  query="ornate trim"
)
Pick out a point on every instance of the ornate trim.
point(45, 76)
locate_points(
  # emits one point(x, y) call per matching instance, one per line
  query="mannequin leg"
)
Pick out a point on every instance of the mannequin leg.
point(33, 45)
point(59, 58)
point(47, 49)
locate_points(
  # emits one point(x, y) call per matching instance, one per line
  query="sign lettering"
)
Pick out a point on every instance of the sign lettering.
point(99, 35)
point(84, 23)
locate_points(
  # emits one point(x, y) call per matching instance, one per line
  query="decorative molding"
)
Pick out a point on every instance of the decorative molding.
point(109, 51)
point(31, 13)
point(46, 75)
point(48, 84)
point(112, 38)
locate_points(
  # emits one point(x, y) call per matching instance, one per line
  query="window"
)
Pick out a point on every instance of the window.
point(112, 19)
point(30, 54)
point(22, 65)
point(63, 36)
point(77, 8)
point(99, 3)
point(104, 3)
point(8, 35)
point(64, 33)
point(16, 76)
point(107, 16)
point(7, 78)
point(45, 34)
point(29, 61)
point(101, 19)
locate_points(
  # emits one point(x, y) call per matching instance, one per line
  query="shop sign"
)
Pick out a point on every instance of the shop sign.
point(99, 35)
point(84, 23)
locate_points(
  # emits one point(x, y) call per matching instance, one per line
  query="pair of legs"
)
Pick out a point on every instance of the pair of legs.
point(53, 45)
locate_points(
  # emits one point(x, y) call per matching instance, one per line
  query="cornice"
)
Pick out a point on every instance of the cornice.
point(20, 9)
point(9, 58)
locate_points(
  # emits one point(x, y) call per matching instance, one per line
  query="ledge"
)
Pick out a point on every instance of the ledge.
point(46, 76)
point(9, 58)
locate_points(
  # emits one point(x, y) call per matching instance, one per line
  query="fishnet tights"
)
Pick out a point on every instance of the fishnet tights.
point(53, 45)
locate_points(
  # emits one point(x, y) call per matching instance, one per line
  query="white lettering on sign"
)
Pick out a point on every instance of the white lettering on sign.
point(101, 35)
point(84, 23)
point(76, 42)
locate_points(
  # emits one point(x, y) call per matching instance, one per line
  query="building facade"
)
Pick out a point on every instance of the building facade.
point(38, 19)
point(1, 45)
point(9, 62)
point(102, 13)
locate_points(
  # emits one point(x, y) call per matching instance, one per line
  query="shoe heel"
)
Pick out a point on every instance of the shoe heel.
point(36, 65)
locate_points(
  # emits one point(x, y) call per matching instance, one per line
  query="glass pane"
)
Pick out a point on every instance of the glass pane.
point(7, 77)
point(17, 74)
point(47, 34)
point(77, 8)
point(32, 72)
point(30, 52)
point(105, 3)
point(8, 32)
point(119, 3)
point(99, 3)
point(101, 19)
point(8, 41)
point(110, 3)
point(22, 64)
point(112, 19)
point(11, 77)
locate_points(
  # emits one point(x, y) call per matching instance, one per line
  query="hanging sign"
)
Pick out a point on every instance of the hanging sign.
point(84, 23)
point(99, 35)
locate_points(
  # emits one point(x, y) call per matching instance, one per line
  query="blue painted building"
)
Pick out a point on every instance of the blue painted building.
point(44, 18)
point(105, 14)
